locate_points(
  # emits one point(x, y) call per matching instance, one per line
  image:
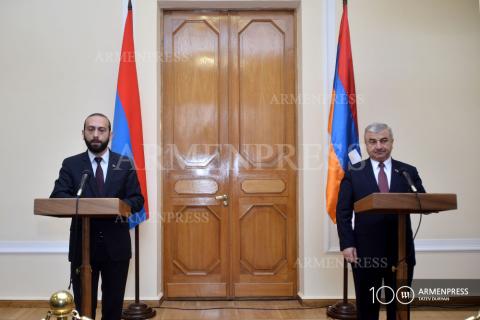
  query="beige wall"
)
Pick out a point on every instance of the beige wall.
point(416, 67)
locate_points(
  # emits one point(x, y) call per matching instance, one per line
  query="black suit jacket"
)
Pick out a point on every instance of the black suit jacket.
point(374, 235)
point(121, 182)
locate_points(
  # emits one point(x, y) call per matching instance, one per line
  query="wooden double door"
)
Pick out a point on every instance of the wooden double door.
point(229, 154)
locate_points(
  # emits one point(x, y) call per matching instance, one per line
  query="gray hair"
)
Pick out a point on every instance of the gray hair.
point(376, 127)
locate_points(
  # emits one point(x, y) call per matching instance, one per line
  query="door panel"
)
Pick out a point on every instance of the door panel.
point(194, 129)
point(195, 121)
point(228, 130)
point(260, 77)
point(263, 179)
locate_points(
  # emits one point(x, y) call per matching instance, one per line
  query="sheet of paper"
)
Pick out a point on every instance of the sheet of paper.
point(354, 156)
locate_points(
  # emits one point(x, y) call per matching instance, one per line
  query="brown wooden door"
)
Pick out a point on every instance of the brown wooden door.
point(229, 129)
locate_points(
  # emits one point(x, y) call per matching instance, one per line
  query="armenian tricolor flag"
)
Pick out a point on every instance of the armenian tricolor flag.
point(342, 123)
point(127, 124)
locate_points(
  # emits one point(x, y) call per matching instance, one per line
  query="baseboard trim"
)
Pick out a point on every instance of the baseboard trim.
point(454, 303)
point(45, 303)
point(319, 303)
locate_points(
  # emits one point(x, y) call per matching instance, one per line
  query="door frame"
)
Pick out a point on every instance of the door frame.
point(222, 6)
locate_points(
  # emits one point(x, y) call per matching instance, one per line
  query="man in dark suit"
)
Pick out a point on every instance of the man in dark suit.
point(371, 243)
point(110, 176)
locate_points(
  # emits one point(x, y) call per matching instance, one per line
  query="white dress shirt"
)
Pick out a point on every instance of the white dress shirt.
point(387, 169)
point(104, 163)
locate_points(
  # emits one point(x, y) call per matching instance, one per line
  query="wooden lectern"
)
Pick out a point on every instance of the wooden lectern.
point(87, 208)
point(403, 204)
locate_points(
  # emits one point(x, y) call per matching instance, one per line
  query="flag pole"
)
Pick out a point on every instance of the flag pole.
point(343, 309)
point(137, 310)
point(127, 117)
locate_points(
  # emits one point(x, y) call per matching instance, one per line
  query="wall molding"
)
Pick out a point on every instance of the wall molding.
point(424, 245)
point(25, 247)
point(421, 245)
point(447, 245)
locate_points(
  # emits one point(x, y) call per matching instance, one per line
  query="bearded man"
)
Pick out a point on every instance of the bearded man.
point(110, 176)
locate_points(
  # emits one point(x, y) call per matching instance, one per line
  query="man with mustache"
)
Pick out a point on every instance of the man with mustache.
point(110, 176)
point(371, 243)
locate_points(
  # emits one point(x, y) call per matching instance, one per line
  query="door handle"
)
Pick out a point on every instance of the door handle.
point(223, 198)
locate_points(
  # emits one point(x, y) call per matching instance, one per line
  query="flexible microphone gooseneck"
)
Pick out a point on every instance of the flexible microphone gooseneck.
point(407, 177)
point(85, 175)
point(409, 180)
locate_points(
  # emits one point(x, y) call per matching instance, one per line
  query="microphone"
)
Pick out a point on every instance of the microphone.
point(407, 177)
point(85, 175)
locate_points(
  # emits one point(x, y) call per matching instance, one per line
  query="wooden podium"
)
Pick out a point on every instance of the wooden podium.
point(403, 204)
point(87, 208)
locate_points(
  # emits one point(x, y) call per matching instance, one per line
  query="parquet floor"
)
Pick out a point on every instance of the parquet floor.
point(236, 310)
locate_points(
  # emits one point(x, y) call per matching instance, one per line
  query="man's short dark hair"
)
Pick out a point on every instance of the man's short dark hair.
point(98, 115)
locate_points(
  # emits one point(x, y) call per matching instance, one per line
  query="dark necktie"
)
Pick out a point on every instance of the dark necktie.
point(382, 178)
point(99, 175)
